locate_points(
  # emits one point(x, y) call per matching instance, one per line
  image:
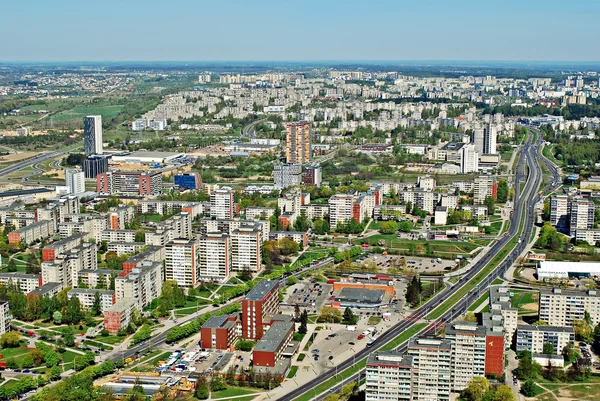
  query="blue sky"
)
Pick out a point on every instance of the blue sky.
point(127, 30)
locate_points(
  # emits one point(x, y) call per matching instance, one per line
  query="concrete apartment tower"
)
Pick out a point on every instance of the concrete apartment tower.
point(298, 143)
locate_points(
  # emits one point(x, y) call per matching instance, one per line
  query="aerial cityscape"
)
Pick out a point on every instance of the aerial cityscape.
point(333, 220)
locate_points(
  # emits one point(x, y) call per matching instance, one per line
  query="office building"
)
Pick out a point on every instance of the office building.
point(560, 307)
point(221, 204)
point(313, 175)
point(559, 212)
point(431, 368)
point(75, 181)
point(246, 248)
point(181, 262)
point(581, 216)
point(469, 159)
point(468, 353)
point(389, 377)
point(298, 143)
point(484, 139)
point(533, 338)
point(214, 256)
point(262, 300)
point(129, 183)
point(191, 180)
point(221, 332)
point(94, 165)
point(92, 135)
point(287, 175)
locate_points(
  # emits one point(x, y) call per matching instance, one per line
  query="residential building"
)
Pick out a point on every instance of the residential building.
point(118, 316)
point(298, 236)
point(533, 338)
point(25, 282)
point(298, 143)
point(389, 377)
point(591, 236)
point(560, 307)
point(150, 206)
point(259, 213)
point(499, 300)
point(181, 262)
point(262, 300)
point(581, 216)
point(389, 212)
point(559, 212)
point(87, 296)
point(4, 318)
point(75, 181)
point(469, 159)
point(118, 235)
point(341, 209)
point(129, 182)
point(31, 233)
point(221, 204)
point(221, 332)
point(151, 253)
point(59, 248)
point(125, 248)
point(313, 175)
point(246, 248)
point(120, 216)
point(143, 283)
point(287, 175)
point(191, 180)
point(468, 353)
point(484, 187)
point(269, 349)
point(92, 135)
point(91, 277)
point(214, 256)
point(431, 378)
point(440, 215)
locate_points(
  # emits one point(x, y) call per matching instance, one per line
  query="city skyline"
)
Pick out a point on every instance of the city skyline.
point(318, 31)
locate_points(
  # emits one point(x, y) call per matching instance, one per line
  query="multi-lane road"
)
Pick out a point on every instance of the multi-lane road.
point(528, 170)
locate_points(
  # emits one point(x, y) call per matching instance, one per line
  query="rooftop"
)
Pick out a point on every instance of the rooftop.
point(261, 289)
point(550, 329)
point(360, 295)
point(89, 291)
point(390, 358)
point(275, 337)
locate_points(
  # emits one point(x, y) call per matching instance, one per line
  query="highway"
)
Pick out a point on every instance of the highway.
point(524, 205)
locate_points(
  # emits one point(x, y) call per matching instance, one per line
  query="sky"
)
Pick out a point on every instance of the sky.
point(265, 30)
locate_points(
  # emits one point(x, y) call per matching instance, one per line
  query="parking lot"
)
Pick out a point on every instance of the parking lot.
point(413, 262)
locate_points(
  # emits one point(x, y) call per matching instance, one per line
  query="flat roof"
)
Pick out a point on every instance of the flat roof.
point(261, 289)
point(560, 329)
point(274, 337)
point(390, 358)
point(89, 291)
point(548, 267)
point(25, 192)
point(360, 295)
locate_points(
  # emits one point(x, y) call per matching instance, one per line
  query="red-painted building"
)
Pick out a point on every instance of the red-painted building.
point(262, 300)
point(221, 332)
point(270, 348)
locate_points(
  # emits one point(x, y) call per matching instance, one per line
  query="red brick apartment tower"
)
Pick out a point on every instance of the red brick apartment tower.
point(263, 299)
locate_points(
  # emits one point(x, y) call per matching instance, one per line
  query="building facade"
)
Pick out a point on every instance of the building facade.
point(92, 135)
point(298, 143)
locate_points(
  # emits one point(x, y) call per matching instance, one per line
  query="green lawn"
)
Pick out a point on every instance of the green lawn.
point(97, 344)
point(232, 392)
point(374, 320)
point(78, 112)
point(110, 339)
point(445, 249)
point(162, 357)
point(522, 298)
point(18, 352)
point(498, 281)
point(484, 298)
point(292, 372)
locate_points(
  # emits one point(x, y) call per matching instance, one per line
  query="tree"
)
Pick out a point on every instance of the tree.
point(287, 246)
point(57, 317)
point(596, 336)
point(245, 274)
point(26, 361)
point(292, 280)
point(217, 383)
point(97, 305)
point(69, 339)
point(321, 227)
point(388, 227)
point(140, 236)
point(529, 388)
point(349, 317)
point(504, 393)
point(302, 224)
point(38, 357)
point(244, 345)
point(491, 205)
point(525, 369)
point(568, 352)
point(10, 339)
point(73, 314)
point(202, 391)
point(12, 265)
point(548, 349)
point(330, 314)
point(101, 282)
point(303, 329)
point(476, 389)
point(405, 226)
point(583, 331)
point(503, 190)
point(470, 317)
point(137, 392)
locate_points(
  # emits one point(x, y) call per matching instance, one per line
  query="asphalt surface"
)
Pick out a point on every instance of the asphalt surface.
point(30, 162)
point(527, 169)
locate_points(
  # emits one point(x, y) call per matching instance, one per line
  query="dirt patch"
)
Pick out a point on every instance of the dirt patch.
point(13, 157)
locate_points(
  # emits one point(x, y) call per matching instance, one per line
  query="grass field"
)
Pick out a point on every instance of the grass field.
point(483, 299)
point(292, 372)
point(444, 249)
point(231, 392)
point(78, 112)
point(110, 339)
point(18, 352)
point(526, 301)
point(374, 320)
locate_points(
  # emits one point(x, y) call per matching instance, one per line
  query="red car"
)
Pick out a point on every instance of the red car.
point(361, 336)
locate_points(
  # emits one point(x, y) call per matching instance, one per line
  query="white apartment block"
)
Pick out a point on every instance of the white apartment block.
point(581, 216)
point(143, 284)
point(125, 248)
point(25, 282)
point(181, 262)
point(431, 368)
point(246, 248)
point(499, 300)
point(287, 175)
point(482, 188)
point(86, 297)
point(4, 318)
point(389, 212)
point(469, 159)
point(259, 213)
point(468, 353)
point(591, 236)
point(314, 211)
point(221, 204)
point(388, 377)
point(340, 209)
point(91, 277)
point(560, 307)
point(559, 212)
point(478, 211)
point(149, 206)
point(426, 182)
point(75, 181)
point(31, 233)
point(533, 338)
point(228, 226)
point(118, 235)
point(215, 251)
